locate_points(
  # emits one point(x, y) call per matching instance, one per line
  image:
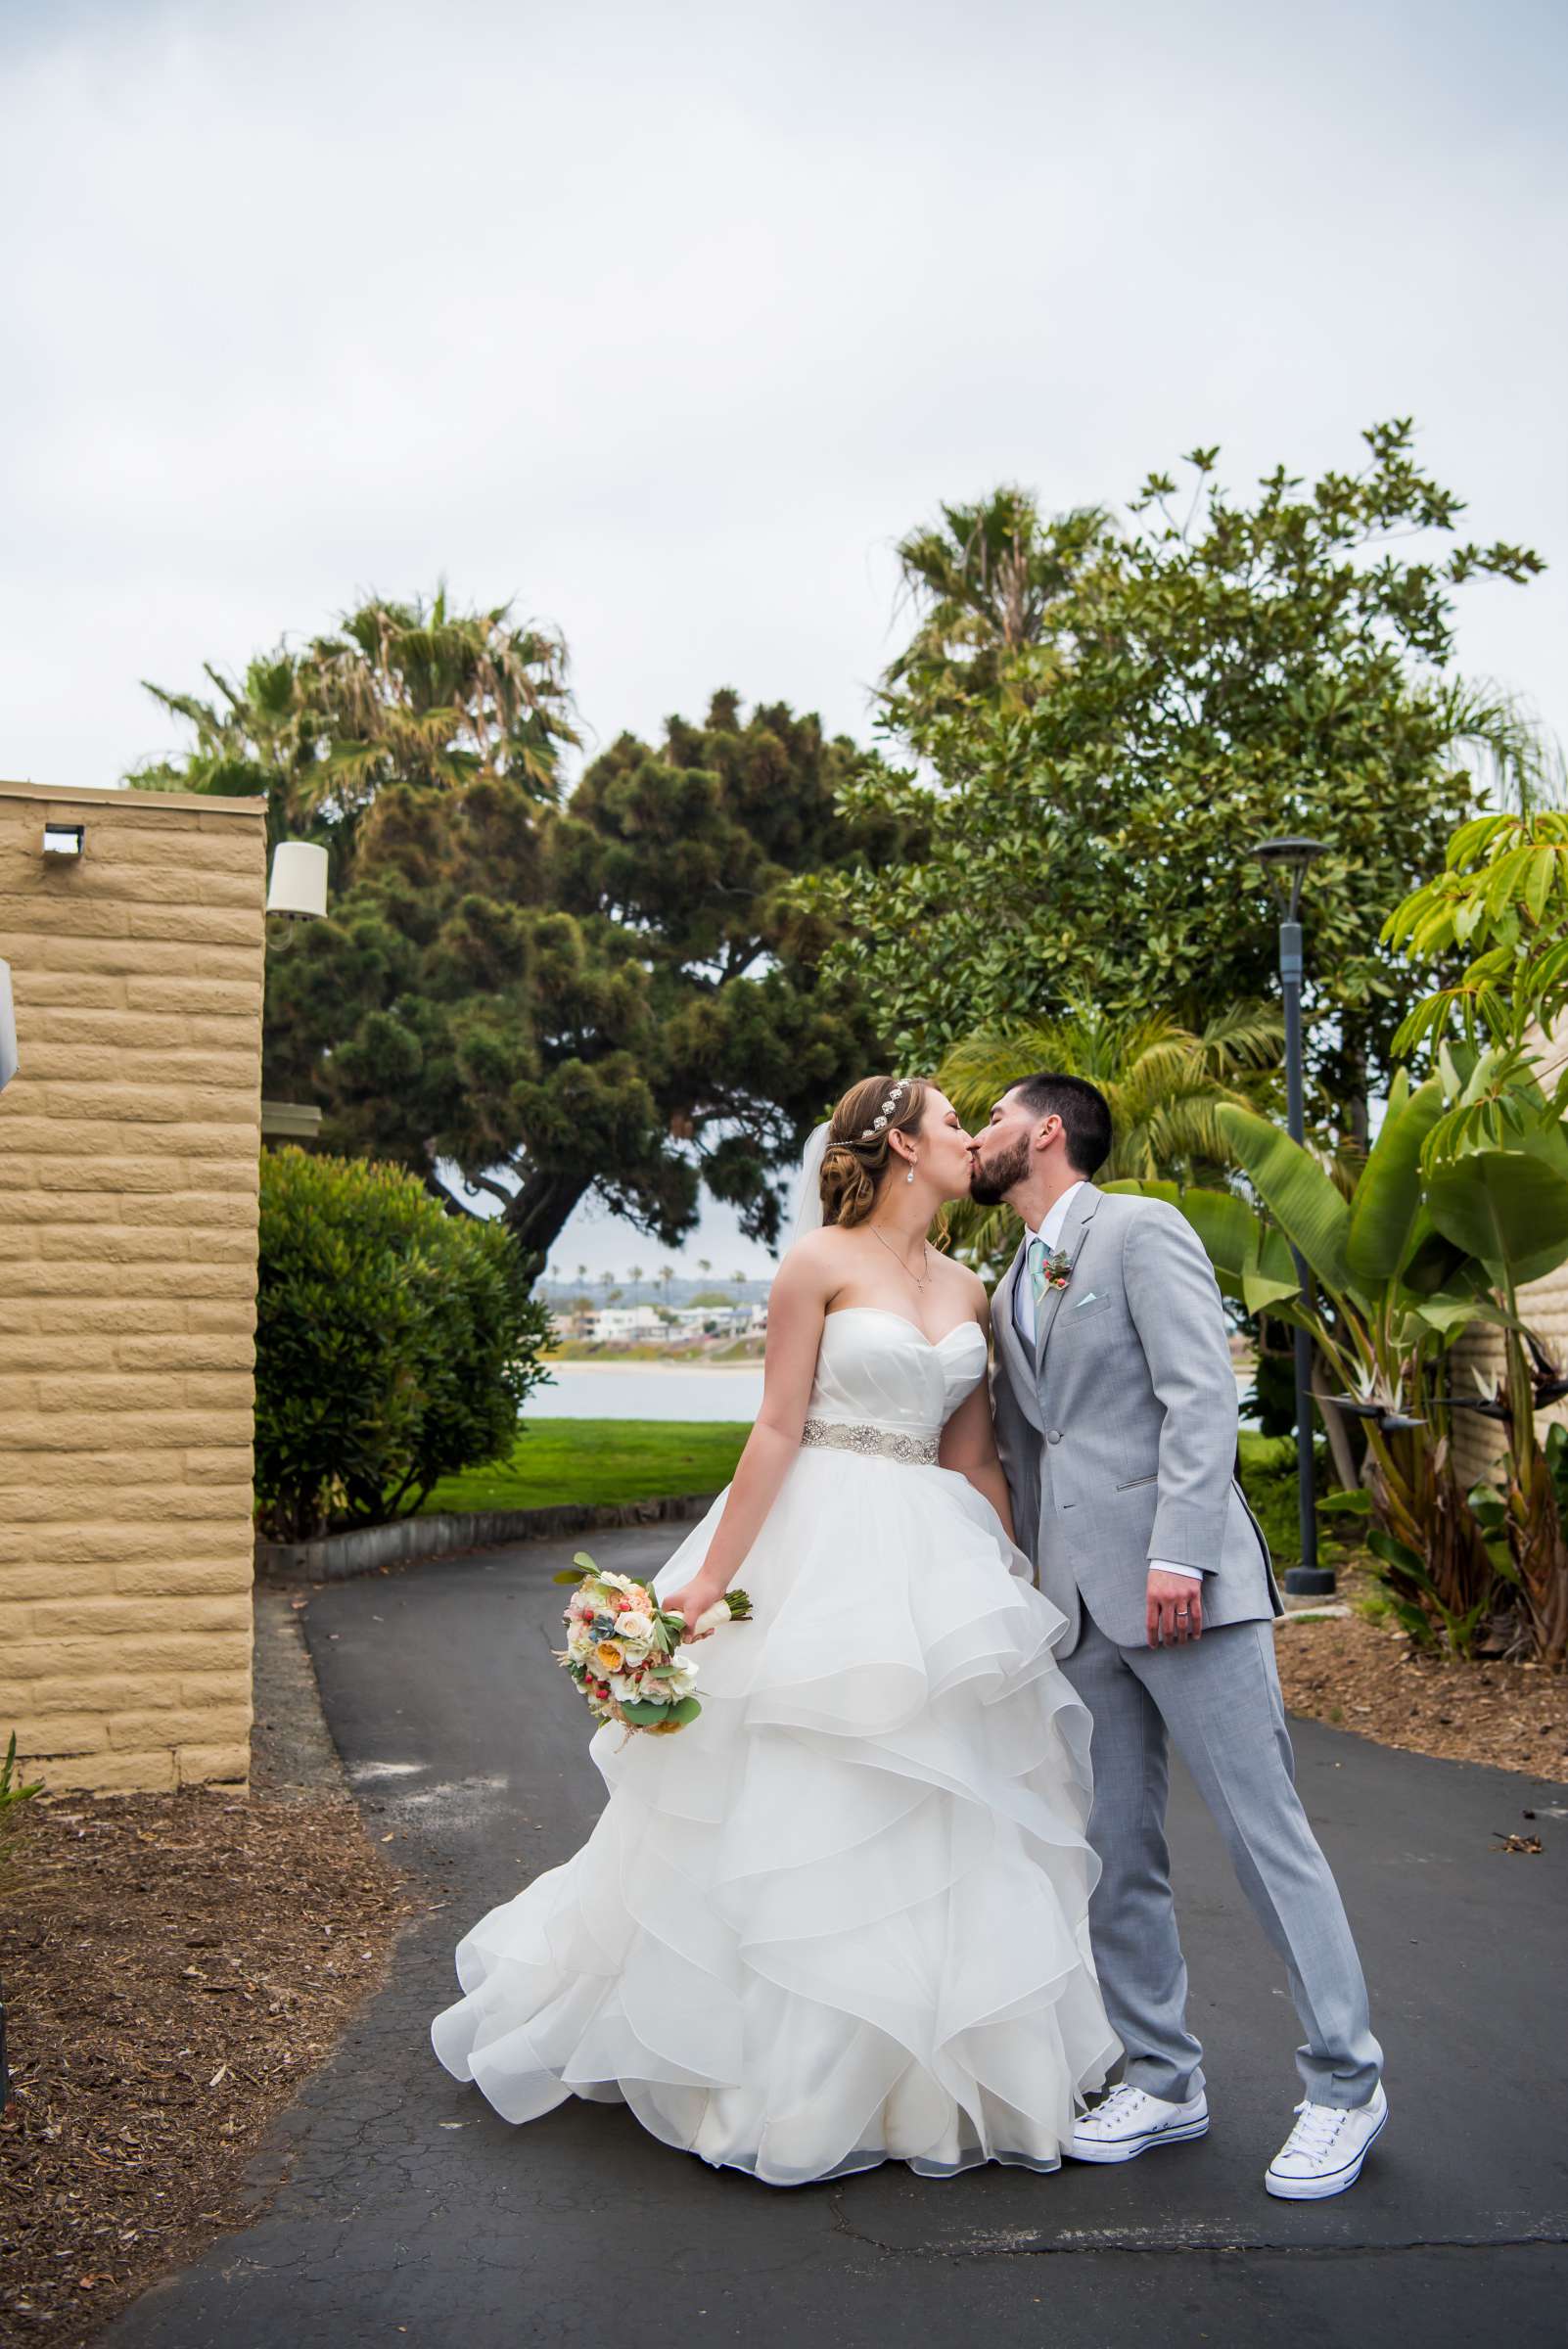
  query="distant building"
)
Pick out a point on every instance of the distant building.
point(623, 1324)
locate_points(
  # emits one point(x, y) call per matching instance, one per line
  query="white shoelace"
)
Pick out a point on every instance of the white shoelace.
point(1315, 2131)
point(1123, 2100)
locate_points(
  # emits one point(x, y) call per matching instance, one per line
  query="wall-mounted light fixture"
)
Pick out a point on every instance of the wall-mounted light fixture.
point(299, 887)
point(8, 1027)
point(64, 839)
point(297, 894)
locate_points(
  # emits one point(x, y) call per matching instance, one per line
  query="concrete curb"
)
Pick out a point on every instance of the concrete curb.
point(367, 1549)
point(292, 1756)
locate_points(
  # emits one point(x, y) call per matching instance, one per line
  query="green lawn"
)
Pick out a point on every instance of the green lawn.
point(558, 1460)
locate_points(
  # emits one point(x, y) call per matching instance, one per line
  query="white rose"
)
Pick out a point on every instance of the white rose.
point(634, 1630)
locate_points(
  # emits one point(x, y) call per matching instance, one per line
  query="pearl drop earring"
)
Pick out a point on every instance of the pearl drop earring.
point(909, 1177)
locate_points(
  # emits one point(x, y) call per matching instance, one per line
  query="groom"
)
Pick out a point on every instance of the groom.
point(1116, 1419)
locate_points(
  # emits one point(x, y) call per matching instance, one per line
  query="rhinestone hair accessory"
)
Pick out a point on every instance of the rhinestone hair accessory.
point(878, 1124)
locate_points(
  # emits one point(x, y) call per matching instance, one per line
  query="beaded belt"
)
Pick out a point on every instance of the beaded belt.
point(853, 1435)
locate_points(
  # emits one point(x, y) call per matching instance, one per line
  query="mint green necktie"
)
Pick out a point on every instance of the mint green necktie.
point(1037, 1252)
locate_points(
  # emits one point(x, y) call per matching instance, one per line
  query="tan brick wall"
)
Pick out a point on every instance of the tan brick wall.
point(129, 1142)
point(1478, 1443)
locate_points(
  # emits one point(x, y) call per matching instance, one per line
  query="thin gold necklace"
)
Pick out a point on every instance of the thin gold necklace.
point(925, 1251)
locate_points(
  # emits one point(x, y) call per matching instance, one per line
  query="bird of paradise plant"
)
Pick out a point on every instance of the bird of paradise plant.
point(1397, 1270)
point(1497, 1161)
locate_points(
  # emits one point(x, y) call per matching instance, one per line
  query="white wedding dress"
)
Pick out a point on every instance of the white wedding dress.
point(842, 1916)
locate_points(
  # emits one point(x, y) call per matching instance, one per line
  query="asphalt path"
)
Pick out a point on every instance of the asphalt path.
point(393, 2205)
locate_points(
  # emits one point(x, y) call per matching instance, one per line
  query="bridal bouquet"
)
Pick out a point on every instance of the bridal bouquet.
point(624, 1651)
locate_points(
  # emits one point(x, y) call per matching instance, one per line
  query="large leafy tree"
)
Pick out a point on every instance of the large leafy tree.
point(1194, 681)
point(528, 1003)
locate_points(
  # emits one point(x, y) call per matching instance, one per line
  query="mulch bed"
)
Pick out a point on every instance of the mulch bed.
point(174, 1966)
point(1365, 1677)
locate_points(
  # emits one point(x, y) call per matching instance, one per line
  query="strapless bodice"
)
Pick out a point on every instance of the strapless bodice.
point(876, 1368)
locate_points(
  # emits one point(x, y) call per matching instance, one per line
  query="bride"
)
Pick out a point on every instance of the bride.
point(843, 1917)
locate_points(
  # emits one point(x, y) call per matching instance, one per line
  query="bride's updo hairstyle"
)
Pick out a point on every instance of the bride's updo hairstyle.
point(857, 1158)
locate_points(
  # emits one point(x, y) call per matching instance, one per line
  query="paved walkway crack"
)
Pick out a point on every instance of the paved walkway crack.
point(1002, 2246)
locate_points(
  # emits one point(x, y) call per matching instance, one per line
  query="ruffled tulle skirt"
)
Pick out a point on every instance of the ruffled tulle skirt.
point(843, 1917)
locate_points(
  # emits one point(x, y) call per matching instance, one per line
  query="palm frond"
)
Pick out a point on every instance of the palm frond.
point(1166, 1085)
point(1515, 758)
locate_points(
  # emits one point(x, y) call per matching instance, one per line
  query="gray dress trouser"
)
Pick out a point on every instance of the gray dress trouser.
point(1217, 1700)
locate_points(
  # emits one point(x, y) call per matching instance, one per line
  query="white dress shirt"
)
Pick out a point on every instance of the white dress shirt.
point(1050, 1231)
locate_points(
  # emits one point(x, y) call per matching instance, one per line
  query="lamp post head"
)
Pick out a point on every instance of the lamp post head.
point(1290, 855)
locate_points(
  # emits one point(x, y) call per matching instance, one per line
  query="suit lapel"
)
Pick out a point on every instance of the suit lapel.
point(1078, 1218)
point(1009, 1345)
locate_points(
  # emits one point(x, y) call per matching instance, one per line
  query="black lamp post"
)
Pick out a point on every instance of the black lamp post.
point(1290, 859)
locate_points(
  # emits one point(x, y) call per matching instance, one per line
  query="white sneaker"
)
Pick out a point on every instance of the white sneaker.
point(1324, 2151)
point(1128, 2121)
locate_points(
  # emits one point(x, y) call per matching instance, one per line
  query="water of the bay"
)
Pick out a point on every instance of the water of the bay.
point(649, 1391)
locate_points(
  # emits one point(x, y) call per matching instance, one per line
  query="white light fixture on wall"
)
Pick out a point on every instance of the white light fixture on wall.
point(299, 889)
point(64, 839)
point(297, 893)
point(8, 1027)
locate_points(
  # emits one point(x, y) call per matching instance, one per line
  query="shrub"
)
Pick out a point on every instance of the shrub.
point(396, 1343)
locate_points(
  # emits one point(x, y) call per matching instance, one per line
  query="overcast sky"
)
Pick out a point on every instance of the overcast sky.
point(667, 322)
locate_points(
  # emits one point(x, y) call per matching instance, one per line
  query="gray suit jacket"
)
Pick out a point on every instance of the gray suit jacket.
point(1119, 1439)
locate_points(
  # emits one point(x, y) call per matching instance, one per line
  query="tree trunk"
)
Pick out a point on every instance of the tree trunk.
point(535, 1214)
point(542, 1210)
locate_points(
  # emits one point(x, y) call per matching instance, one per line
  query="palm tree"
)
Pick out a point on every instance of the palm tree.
point(985, 582)
point(413, 693)
point(666, 1274)
point(704, 1267)
point(1165, 1082)
point(1518, 763)
point(634, 1275)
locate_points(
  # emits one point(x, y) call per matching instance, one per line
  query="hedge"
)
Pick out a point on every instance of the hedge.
point(396, 1343)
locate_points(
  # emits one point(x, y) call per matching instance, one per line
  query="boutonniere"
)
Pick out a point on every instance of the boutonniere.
point(1058, 1269)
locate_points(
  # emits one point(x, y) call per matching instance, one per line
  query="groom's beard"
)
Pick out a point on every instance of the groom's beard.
point(991, 1182)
